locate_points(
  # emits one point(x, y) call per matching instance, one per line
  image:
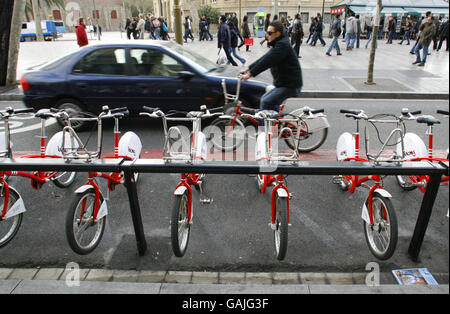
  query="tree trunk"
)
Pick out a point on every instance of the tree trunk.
point(5, 28)
point(37, 20)
point(373, 44)
point(14, 40)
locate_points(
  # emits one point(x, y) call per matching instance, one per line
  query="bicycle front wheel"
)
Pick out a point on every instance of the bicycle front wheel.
point(64, 179)
point(10, 226)
point(180, 226)
point(281, 227)
point(82, 232)
point(382, 235)
point(227, 135)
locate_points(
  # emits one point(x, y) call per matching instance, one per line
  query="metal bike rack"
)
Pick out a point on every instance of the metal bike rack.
point(435, 171)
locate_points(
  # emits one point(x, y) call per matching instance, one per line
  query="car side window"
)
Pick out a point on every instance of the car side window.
point(107, 61)
point(153, 62)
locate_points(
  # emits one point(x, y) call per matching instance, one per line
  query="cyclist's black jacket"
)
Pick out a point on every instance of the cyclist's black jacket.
point(283, 64)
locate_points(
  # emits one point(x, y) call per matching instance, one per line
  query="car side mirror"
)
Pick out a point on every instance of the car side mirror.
point(187, 75)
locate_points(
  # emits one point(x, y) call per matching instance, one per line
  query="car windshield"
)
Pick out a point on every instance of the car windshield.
point(206, 64)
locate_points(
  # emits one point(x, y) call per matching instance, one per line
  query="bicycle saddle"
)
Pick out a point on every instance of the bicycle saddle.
point(429, 120)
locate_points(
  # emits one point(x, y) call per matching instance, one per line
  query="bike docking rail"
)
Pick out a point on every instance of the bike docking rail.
point(301, 167)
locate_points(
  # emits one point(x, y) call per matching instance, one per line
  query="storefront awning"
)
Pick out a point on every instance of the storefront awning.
point(338, 10)
point(396, 10)
point(358, 10)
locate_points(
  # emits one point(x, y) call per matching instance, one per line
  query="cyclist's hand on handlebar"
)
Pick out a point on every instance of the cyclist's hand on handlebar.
point(245, 77)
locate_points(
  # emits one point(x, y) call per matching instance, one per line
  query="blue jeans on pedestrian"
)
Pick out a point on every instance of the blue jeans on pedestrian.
point(350, 39)
point(369, 35)
point(233, 51)
point(334, 44)
point(425, 53)
point(406, 37)
point(275, 97)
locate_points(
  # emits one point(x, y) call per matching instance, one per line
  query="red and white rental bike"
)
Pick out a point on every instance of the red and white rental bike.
point(378, 213)
point(269, 157)
point(86, 217)
point(184, 148)
point(12, 205)
point(414, 149)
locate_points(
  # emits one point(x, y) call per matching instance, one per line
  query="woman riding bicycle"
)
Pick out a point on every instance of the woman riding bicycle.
point(284, 66)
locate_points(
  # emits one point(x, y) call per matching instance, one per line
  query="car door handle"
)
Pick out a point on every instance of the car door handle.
point(82, 85)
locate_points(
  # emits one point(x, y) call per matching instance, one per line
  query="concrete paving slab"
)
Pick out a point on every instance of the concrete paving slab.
point(7, 286)
point(85, 287)
point(233, 289)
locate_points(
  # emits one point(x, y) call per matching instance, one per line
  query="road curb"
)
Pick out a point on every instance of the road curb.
point(198, 277)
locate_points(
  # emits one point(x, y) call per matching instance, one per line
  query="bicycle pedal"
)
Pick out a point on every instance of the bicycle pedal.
point(337, 180)
point(273, 226)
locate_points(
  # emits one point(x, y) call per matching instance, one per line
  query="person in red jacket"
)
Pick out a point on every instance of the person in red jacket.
point(80, 31)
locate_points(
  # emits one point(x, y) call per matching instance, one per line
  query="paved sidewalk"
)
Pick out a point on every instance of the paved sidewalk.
point(323, 76)
point(61, 281)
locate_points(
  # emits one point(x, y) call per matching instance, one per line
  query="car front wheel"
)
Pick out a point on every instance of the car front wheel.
point(74, 109)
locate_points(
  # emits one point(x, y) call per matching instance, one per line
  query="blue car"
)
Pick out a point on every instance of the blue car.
point(152, 73)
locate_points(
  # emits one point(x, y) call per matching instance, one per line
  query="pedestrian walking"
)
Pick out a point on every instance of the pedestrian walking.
point(350, 31)
point(80, 31)
point(208, 23)
point(437, 24)
point(358, 31)
point(312, 25)
point(297, 34)
point(443, 35)
point(427, 31)
point(246, 31)
point(234, 42)
point(406, 36)
point(369, 32)
point(336, 30)
point(224, 39)
point(141, 26)
point(391, 30)
point(128, 28)
point(266, 26)
point(188, 29)
point(318, 32)
point(284, 67)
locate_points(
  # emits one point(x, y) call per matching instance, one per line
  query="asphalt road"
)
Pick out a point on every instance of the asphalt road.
point(232, 234)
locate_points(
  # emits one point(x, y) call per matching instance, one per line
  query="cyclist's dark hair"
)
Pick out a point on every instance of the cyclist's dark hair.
point(278, 26)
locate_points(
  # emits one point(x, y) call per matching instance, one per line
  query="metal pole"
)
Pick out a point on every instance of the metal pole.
point(130, 184)
point(424, 216)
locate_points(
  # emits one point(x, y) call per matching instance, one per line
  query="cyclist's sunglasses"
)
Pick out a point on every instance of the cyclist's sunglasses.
point(270, 33)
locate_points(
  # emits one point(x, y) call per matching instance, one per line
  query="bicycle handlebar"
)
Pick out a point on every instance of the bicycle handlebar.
point(444, 112)
point(10, 111)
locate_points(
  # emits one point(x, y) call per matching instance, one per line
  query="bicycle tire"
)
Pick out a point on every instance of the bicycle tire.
point(9, 227)
point(281, 227)
point(385, 220)
point(72, 223)
point(405, 183)
point(304, 146)
point(180, 227)
point(231, 137)
point(61, 183)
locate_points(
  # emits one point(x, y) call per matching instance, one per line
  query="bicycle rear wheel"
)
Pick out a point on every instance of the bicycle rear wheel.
point(382, 236)
point(180, 226)
point(83, 234)
point(10, 226)
point(309, 141)
point(281, 227)
point(227, 135)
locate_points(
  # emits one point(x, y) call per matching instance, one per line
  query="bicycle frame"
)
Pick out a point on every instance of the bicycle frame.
point(417, 180)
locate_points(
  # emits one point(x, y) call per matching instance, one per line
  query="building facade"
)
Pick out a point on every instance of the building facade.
point(307, 8)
